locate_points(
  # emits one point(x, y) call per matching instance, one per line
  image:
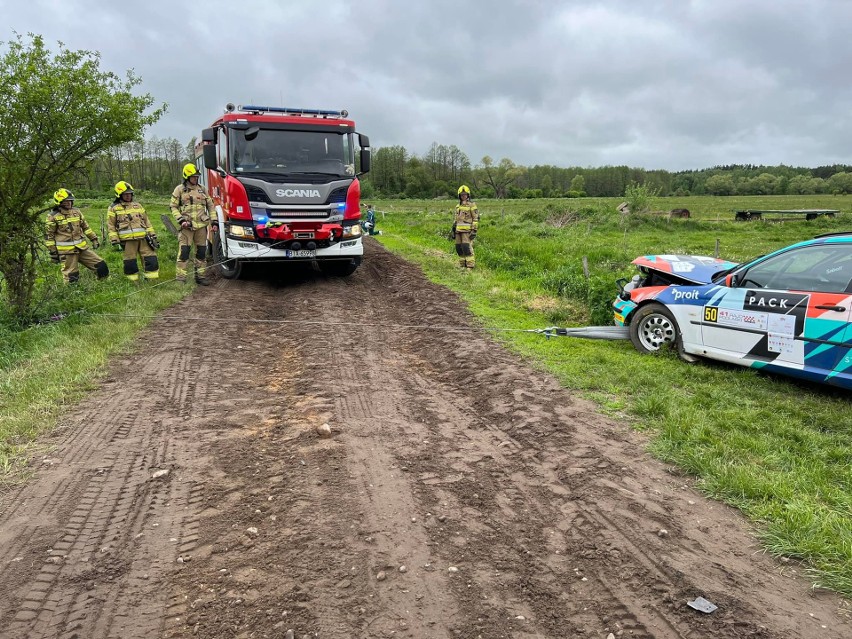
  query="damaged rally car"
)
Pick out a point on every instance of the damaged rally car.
point(789, 312)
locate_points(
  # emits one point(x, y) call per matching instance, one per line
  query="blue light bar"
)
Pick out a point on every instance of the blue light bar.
point(266, 109)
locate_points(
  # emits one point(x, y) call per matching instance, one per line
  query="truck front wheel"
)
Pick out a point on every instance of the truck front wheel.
point(340, 268)
point(230, 269)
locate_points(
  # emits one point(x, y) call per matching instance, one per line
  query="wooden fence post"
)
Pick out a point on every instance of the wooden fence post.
point(586, 266)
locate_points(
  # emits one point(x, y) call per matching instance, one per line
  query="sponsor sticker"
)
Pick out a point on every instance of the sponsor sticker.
point(782, 328)
point(776, 302)
point(736, 318)
point(782, 324)
point(678, 294)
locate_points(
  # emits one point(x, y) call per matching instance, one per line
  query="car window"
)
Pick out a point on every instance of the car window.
point(825, 268)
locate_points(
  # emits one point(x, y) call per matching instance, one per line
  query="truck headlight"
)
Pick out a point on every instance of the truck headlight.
point(353, 230)
point(241, 231)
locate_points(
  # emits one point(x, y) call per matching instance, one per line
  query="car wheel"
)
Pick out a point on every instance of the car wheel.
point(653, 329)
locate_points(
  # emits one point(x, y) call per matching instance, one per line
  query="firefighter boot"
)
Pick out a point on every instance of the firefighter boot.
point(200, 265)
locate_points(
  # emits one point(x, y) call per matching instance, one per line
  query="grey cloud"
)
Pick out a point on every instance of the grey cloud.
point(660, 84)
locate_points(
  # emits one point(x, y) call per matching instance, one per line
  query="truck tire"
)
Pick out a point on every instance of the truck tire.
point(653, 328)
point(340, 268)
point(229, 269)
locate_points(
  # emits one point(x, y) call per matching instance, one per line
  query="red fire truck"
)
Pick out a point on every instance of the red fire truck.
point(285, 186)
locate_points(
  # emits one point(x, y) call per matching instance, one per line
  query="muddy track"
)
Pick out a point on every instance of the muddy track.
point(462, 493)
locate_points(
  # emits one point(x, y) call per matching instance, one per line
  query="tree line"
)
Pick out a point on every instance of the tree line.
point(398, 173)
point(153, 165)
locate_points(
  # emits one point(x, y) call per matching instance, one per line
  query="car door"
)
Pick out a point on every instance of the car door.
point(789, 311)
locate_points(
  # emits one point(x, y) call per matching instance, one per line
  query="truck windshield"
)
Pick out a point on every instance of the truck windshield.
point(282, 152)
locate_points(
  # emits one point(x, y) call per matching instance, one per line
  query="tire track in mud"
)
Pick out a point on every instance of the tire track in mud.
point(447, 452)
point(88, 543)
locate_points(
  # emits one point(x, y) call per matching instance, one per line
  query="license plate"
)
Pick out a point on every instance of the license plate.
point(301, 253)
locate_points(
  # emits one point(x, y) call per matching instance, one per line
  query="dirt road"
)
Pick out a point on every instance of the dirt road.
point(461, 494)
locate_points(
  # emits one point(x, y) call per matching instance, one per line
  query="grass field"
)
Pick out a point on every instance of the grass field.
point(779, 450)
point(51, 365)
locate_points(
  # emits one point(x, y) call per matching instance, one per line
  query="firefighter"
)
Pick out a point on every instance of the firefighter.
point(368, 225)
point(130, 231)
point(193, 209)
point(69, 237)
point(465, 226)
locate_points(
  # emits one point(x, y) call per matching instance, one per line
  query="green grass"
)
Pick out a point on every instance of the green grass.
point(779, 450)
point(51, 365)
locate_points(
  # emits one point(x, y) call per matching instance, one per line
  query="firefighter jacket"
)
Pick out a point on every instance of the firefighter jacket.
point(467, 217)
point(67, 231)
point(128, 221)
point(192, 204)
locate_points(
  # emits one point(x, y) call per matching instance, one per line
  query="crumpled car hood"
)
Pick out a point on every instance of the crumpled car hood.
point(690, 269)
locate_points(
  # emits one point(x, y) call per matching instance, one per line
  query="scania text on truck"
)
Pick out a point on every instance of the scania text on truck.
point(285, 186)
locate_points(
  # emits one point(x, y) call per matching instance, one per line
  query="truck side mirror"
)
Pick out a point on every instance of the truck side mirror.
point(363, 141)
point(208, 135)
point(365, 160)
point(209, 154)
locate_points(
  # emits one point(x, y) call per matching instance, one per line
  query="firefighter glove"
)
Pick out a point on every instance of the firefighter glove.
point(117, 246)
point(54, 257)
point(473, 235)
point(95, 241)
point(152, 240)
point(183, 222)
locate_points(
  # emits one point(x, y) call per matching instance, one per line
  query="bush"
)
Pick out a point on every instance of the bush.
point(639, 196)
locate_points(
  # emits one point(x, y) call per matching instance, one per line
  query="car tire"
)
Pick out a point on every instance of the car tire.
point(653, 329)
point(229, 269)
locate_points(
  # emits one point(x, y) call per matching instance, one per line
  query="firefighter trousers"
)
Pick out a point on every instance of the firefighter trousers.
point(464, 249)
point(150, 264)
point(187, 238)
point(86, 257)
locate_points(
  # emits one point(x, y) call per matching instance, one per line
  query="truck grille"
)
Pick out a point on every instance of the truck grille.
point(337, 195)
point(256, 194)
point(321, 214)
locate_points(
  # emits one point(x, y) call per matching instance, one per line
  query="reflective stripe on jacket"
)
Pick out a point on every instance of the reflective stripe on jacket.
point(467, 217)
point(67, 231)
point(128, 221)
point(193, 204)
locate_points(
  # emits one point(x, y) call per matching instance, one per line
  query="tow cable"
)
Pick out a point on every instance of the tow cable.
point(586, 332)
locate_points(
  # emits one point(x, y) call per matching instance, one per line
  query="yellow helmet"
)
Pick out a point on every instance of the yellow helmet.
point(123, 187)
point(189, 170)
point(61, 195)
point(463, 189)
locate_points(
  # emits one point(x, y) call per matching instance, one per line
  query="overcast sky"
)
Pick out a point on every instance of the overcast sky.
point(671, 84)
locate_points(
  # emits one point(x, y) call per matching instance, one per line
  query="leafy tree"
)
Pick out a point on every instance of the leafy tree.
point(763, 184)
point(720, 185)
point(840, 183)
point(578, 184)
point(499, 177)
point(57, 111)
point(418, 182)
point(388, 172)
point(801, 185)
